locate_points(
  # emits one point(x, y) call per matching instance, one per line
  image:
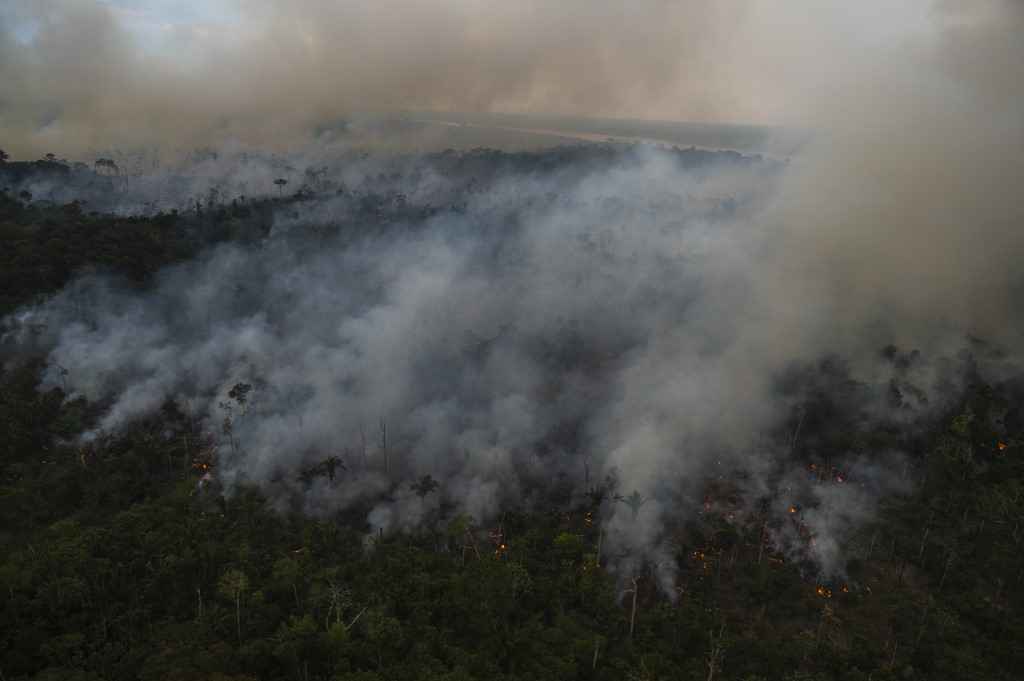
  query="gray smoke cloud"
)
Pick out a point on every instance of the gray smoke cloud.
point(647, 308)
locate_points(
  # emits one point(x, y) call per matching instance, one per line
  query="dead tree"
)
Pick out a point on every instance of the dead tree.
point(924, 622)
point(362, 442)
point(632, 612)
point(384, 446)
point(715, 653)
point(924, 537)
point(871, 546)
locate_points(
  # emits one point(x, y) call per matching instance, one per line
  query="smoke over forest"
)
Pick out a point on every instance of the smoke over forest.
point(668, 331)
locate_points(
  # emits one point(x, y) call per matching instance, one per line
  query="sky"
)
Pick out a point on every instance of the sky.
point(157, 24)
point(83, 75)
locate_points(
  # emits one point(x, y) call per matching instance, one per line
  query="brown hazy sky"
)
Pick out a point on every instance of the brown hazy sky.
point(88, 74)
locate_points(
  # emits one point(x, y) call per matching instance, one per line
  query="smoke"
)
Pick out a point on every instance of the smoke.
point(85, 76)
point(79, 78)
point(641, 315)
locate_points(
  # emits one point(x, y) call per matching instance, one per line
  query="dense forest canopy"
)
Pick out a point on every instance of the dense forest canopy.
point(480, 415)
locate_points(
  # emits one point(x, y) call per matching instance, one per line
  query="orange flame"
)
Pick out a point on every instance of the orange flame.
point(1002, 446)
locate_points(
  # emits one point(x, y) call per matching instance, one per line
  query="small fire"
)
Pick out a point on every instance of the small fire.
point(846, 588)
point(792, 509)
point(824, 591)
point(1001, 446)
point(500, 551)
point(202, 466)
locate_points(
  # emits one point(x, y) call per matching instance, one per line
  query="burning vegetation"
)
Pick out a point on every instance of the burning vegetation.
point(403, 529)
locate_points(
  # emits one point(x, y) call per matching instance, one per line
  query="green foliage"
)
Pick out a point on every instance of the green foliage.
point(129, 573)
point(116, 566)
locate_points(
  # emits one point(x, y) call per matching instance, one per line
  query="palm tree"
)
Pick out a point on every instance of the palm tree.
point(635, 501)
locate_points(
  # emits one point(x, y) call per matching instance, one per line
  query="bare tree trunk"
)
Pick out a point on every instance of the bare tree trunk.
point(632, 614)
point(924, 622)
point(821, 628)
point(760, 540)
point(355, 619)
point(238, 614)
point(600, 537)
point(362, 438)
point(715, 653)
point(384, 446)
point(472, 543)
point(796, 432)
point(945, 570)
point(186, 456)
point(597, 649)
point(924, 540)
point(871, 546)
